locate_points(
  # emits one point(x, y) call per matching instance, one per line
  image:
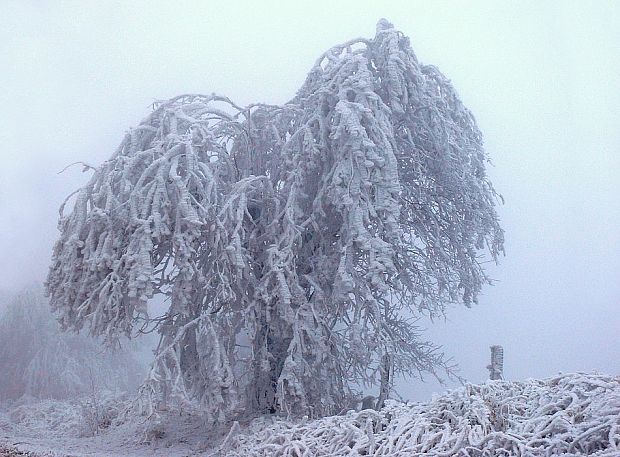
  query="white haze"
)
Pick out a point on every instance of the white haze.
point(542, 78)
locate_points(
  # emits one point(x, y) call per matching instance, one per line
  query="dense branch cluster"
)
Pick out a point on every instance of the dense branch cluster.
point(295, 244)
point(568, 415)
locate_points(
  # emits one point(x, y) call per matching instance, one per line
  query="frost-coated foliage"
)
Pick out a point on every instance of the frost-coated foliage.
point(73, 417)
point(38, 360)
point(295, 244)
point(569, 415)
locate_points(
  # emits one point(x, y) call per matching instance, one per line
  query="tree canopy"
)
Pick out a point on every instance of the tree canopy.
point(296, 244)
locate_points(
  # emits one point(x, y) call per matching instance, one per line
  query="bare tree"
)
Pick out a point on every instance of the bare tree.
point(297, 244)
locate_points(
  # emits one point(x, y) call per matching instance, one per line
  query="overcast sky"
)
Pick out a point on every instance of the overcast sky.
point(541, 77)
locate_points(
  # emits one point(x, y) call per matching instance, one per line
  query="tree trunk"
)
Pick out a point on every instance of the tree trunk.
point(271, 348)
point(386, 381)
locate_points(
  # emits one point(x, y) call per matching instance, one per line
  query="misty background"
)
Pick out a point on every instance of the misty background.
point(542, 79)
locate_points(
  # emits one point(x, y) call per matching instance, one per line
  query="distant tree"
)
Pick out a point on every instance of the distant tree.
point(295, 244)
point(39, 360)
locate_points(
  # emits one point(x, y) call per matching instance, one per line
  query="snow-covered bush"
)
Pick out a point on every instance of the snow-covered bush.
point(101, 410)
point(38, 360)
point(48, 415)
point(295, 244)
point(569, 415)
point(74, 417)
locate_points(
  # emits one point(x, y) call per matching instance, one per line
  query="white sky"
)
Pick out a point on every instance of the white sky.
point(542, 78)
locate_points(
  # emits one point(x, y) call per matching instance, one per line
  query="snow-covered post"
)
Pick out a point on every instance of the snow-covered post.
point(496, 368)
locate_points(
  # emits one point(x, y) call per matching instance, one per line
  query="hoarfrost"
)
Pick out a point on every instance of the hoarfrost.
point(296, 244)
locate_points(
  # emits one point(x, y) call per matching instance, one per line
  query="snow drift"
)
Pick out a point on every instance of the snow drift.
point(573, 414)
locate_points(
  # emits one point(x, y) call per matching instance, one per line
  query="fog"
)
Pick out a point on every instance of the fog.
point(542, 78)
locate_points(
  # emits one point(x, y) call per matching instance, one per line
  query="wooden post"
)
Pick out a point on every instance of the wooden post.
point(496, 368)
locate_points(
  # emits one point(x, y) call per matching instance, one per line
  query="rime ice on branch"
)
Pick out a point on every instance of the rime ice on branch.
point(296, 244)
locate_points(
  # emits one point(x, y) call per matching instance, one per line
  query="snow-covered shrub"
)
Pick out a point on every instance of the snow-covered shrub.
point(76, 417)
point(49, 415)
point(101, 410)
point(153, 431)
point(38, 360)
point(568, 415)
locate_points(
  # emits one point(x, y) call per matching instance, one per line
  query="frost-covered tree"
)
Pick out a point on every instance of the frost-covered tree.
point(37, 359)
point(295, 244)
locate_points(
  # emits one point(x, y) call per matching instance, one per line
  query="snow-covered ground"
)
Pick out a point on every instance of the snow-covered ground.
point(572, 414)
point(75, 428)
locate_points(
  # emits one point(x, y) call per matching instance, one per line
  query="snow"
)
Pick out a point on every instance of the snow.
point(570, 415)
point(60, 428)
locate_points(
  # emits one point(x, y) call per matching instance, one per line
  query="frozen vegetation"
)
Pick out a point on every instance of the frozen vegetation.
point(41, 361)
point(573, 414)
point(569, 415)
point(295, 245)
point(293, 248)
